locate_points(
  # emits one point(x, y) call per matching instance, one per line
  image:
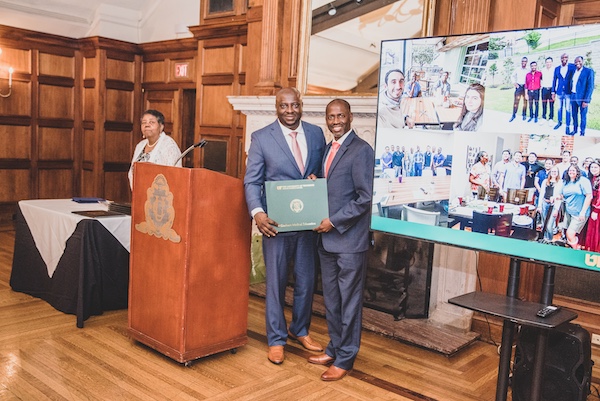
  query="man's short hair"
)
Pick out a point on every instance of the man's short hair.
point(387, 74)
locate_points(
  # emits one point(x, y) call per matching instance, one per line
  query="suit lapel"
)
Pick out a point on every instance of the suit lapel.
point(308, 138)
point(340, 152)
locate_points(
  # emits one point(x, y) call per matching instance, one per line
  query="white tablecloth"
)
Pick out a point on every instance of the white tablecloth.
point(51, 224)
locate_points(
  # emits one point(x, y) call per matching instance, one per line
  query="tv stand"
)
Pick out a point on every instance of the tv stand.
point(515, 311)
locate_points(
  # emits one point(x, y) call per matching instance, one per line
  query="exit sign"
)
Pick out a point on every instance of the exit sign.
point(181, 70)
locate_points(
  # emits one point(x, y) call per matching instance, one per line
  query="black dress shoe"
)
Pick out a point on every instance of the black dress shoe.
point(511, 119)
point(524, 118)
point(557, 126)
point(530, 119)
point(582, 134)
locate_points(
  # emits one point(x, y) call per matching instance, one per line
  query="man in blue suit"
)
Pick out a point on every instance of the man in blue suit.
point(287, 149)
point(561, 89)
point(344, 239)
point(581, 94)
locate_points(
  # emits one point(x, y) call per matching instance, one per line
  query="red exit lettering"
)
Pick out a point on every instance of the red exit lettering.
point(181, 70)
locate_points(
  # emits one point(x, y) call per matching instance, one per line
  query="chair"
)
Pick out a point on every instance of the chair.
point(516, 196)
point(392, 212)
point(414, 215)
point(492, 223)
point(492, 194)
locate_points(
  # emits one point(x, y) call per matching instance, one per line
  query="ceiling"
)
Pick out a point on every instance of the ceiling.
point(343, 55)
point(343, 51)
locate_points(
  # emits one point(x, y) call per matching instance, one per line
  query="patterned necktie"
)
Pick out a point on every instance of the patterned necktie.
point(296, 151)
point(334, 148)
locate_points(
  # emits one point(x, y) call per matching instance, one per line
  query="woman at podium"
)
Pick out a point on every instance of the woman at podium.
point(156, 147)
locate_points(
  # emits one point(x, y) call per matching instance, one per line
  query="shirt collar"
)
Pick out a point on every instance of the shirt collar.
point(286, 130)
point(343, 138)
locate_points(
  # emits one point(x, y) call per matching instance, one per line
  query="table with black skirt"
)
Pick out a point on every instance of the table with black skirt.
point(79, 265)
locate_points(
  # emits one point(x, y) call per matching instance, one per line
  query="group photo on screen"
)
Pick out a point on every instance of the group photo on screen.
point(492, 133)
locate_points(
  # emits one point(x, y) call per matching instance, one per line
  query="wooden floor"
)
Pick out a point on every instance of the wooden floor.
point(44, 356)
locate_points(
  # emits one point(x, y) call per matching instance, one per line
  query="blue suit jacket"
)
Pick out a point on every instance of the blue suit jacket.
point(585, 86)
point(270, 159)
point(350, 188)
point(562, 86)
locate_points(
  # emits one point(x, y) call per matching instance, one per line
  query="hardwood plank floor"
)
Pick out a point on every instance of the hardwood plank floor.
point(44, 356)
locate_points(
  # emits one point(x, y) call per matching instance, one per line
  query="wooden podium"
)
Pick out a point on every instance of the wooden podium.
point(190, 261)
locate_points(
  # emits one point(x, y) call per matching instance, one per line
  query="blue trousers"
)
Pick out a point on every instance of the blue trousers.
point(279, 251)
point(343, 276)
point(564, 103)
point(578, 110)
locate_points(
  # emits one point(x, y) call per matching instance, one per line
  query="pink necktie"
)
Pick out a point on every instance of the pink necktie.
point(296, 151)
point(334, 148)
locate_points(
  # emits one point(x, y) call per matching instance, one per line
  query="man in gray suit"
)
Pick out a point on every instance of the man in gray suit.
point(344, 239)
point(287, 149)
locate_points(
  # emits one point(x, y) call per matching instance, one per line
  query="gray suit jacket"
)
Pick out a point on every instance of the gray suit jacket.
point(350, 189)
point(270, 159)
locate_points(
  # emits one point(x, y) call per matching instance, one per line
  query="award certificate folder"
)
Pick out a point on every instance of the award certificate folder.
point(297, 205)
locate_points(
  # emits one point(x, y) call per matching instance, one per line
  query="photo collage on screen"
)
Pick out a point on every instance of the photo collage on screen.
point(493, 133)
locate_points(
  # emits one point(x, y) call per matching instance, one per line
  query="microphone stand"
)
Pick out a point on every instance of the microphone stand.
point(188, 150)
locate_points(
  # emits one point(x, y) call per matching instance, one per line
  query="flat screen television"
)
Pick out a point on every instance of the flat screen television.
point(446, 103)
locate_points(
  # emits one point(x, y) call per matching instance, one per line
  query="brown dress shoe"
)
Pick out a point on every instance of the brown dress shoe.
point(307, 342)
point(333, 373)
point(275, 354)
point(321, 359)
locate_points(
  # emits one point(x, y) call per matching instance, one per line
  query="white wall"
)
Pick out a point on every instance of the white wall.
point(156, 20)
point(169, 19)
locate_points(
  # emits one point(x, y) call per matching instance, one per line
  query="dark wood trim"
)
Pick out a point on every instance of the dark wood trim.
point(15, 164)
point(15, 120)
point(55, 123)
point(118, 126)
point(56, 81)
point(119, 85)
point(55, 165)
point(116, 167)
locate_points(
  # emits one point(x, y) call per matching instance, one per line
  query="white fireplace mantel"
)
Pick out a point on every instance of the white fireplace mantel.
point(453, 268)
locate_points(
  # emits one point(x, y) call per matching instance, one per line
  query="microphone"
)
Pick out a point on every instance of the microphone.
point(188, 150)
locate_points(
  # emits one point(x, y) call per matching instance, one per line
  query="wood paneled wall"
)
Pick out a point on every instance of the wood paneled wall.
point(40, 156)
point(169, 93)
point(111, 108)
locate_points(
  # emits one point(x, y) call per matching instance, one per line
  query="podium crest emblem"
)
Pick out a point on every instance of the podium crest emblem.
point(159, 211)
